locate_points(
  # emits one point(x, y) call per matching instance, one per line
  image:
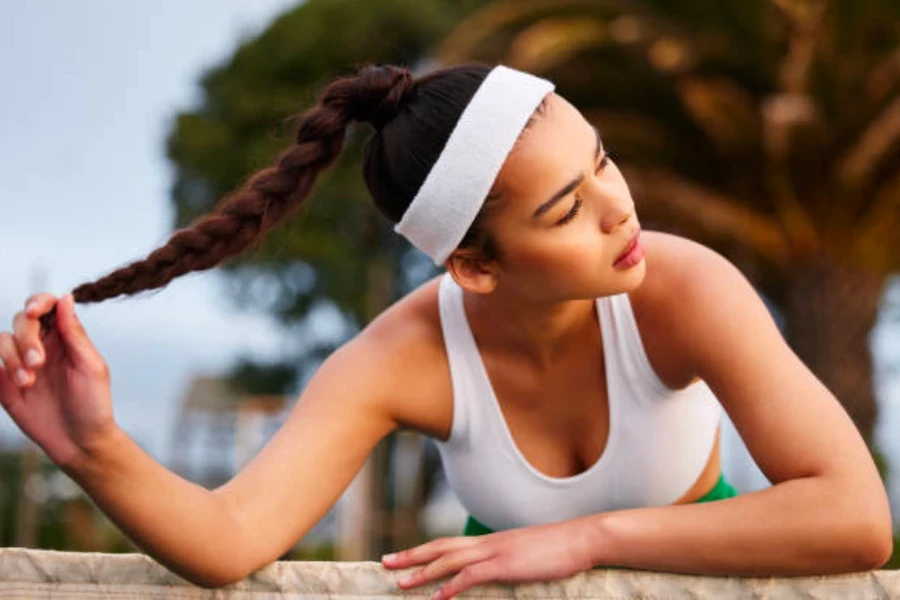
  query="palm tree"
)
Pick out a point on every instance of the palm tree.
point(768, 129)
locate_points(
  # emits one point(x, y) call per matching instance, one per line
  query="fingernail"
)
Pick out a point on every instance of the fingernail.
point(389, 557)
point(21, 377)
point(435, 595)
point(32, 358)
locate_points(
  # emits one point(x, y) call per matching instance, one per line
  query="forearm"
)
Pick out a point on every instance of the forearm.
point(802, 526)
point(180, 524)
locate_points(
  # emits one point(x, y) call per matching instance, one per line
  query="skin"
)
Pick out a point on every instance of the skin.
point(531, 313)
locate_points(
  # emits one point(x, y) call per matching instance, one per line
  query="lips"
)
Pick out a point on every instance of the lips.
point(629, 247)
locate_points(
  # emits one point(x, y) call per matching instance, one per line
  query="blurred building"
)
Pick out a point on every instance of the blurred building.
point(219, 429)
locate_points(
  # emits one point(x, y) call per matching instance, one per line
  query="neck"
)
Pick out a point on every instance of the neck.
point(542, 332)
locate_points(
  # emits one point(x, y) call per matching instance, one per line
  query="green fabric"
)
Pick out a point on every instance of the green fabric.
point(720, 491)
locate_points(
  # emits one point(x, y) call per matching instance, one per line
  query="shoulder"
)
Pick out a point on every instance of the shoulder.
point(674, 261)
point(693, 298)
point(401, 357)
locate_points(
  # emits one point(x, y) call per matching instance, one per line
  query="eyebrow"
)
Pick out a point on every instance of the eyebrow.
point(567, 189)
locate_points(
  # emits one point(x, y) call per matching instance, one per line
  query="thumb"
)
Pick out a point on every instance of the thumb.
point(74, 338)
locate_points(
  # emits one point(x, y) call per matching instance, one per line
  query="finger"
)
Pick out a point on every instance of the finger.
point(448, 564)
point(71, 332)
point(39, 304)
point(477, 574)
point(10, 398)
point(426, 552)
point(9, 354)
point(27, 335)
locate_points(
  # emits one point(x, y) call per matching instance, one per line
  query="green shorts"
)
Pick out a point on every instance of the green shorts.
point(720, 491)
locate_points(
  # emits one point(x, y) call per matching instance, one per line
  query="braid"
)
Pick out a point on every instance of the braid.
point(244, 217)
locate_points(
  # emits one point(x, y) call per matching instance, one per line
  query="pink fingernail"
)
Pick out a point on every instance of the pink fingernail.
point(32, 358)
point(21, 377)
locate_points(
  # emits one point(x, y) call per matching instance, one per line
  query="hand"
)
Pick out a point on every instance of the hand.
point(53, 382)
point(539, 553)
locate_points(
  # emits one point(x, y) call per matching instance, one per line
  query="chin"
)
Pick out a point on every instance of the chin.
point(625, 282)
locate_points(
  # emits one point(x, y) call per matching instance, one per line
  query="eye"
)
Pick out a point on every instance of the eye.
point(571, 214)
point(603, 162)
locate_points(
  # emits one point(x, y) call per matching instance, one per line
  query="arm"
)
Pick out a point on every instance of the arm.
point(827, 510)
point(213, 538)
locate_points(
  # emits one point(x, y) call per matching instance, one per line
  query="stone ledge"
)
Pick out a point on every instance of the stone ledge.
point(26, 573)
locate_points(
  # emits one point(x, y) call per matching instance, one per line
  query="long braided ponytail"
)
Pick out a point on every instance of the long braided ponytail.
point(244, 217)
point(413, 119)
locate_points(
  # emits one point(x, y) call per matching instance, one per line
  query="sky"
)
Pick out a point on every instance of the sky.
point(88, 92)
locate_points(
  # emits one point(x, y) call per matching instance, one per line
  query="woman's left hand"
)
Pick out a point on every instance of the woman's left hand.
point(539, 553)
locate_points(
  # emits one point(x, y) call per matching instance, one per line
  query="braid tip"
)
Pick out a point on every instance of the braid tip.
point(48, 320)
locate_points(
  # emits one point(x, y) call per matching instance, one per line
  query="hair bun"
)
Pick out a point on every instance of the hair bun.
point(381, 92)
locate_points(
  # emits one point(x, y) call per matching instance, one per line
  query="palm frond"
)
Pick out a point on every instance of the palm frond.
point(879, 138)
point(665, 196)
point(549, 42)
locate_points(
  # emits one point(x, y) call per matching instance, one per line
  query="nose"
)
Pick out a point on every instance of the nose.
point(611, 201)
point(615, 206)
point(615, 217)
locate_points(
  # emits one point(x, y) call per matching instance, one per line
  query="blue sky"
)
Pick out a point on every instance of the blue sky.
point(88, 90)
point(87, 93)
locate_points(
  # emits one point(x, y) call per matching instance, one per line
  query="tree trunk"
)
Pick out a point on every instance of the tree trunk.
point(365, 525)
point(829, 311)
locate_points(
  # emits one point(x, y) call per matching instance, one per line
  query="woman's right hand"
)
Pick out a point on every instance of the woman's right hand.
point(54, 384)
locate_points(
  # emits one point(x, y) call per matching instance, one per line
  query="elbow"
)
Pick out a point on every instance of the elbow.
point(872, 544)
point(213, 573)
point(878, 549)
point(214, 580)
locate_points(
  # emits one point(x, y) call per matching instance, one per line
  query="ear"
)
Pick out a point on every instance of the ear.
point(472, 273)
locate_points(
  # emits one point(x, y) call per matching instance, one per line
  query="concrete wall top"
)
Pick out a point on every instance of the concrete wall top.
point(27, 574)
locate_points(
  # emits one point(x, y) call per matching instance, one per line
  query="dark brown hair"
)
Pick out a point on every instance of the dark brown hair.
point(413, 119)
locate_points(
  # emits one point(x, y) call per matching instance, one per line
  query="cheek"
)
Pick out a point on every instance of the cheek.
point(575, 264)
point(573, 259)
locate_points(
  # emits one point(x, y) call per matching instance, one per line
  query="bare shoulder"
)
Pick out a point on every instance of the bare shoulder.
point(685, 281)
point(407, 365)
point(673, 260)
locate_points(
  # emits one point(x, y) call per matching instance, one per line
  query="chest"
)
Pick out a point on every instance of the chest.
point(557, 417)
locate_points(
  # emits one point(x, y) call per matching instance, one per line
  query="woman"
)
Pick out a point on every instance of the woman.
point(571, 369)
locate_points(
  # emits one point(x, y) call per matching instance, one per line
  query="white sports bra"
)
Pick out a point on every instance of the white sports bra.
point(659, 439)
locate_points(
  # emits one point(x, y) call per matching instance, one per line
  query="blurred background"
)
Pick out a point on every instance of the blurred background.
point(766, 129)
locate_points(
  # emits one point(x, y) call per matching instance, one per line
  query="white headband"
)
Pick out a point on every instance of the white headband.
point(455, 188)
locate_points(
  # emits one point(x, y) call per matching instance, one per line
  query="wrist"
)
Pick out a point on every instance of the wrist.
point(97, 454)
point(601, 539)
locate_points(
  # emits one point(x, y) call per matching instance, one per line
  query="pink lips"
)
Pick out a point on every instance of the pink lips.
point(632, 255)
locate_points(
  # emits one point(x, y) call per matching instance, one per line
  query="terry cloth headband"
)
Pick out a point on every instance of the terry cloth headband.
point(455, 188)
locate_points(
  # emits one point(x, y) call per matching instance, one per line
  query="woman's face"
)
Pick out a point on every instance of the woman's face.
point(565, 214)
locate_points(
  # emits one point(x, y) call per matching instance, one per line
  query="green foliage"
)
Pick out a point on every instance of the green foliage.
point(321, 552)
point(254, 378)
point(321, 256)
